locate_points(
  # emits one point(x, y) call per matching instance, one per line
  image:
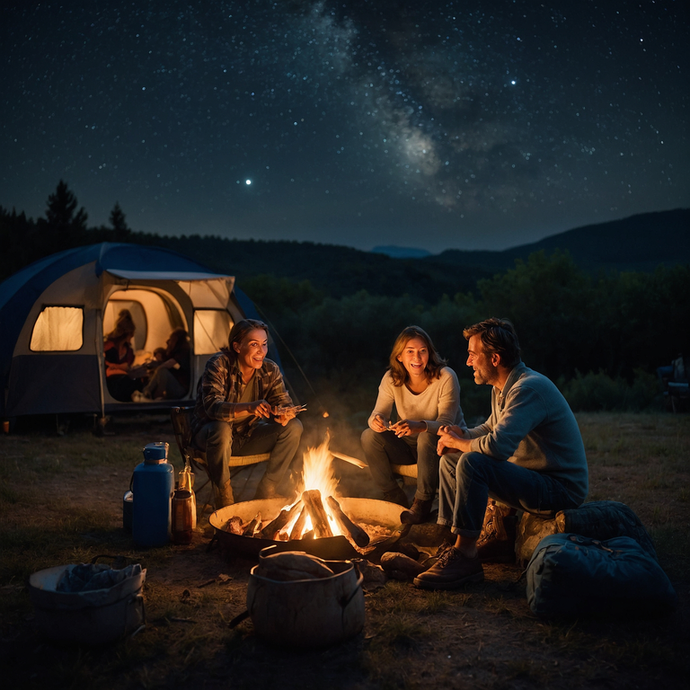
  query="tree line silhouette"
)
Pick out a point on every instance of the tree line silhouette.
point(335, 311)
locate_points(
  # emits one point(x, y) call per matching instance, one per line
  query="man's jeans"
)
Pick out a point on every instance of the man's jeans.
point(216, 439)
point(384, 449)
point(468, 479)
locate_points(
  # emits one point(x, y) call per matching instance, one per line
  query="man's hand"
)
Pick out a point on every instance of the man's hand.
point(450, 439)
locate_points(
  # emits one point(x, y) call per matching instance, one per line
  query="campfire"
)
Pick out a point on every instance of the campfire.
point(315, 514)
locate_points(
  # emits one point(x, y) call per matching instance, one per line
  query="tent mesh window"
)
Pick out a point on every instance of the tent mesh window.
point(58, 329)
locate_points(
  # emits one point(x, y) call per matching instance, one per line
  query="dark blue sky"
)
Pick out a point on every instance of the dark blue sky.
point(470, 125)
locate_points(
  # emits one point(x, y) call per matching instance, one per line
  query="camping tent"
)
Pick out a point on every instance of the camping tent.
point(55, 312)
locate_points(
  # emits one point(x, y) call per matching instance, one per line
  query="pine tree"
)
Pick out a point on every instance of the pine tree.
point(121, 230)
point(65, 228)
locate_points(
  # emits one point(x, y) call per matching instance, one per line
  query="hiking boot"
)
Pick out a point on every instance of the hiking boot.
point(496, 542)
point(418, 513)
point(396, 495)
point(452, 570)
point(223, 497)
point(139, 397)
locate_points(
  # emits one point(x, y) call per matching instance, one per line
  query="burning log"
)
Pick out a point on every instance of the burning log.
point(317, 513)
point(358, 535)
point(252, 525)
point(284, 517)
point(298, 527)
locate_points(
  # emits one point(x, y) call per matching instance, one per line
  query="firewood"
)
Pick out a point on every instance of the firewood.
point(317, 513)
point(233, 525)
point(250, 527)
point(273, 527)
point(298, 527)
point(398, 566)
point(355, 532)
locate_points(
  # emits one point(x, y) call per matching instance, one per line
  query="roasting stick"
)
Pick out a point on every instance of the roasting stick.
point(348, 458)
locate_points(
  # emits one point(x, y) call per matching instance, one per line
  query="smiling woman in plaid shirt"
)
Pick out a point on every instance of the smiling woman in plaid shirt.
point(243, 408)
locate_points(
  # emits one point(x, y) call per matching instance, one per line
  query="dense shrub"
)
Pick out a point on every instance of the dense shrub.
point(592, 392)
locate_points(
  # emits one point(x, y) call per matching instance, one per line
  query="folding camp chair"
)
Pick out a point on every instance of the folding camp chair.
point(182, 426)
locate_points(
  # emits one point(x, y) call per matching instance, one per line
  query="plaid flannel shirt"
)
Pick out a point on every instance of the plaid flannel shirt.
point(219, 391)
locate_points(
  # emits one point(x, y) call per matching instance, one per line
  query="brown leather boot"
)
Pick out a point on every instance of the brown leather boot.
point(496, 542)
point(418, 513)
point(452, 570)
point(223, 496)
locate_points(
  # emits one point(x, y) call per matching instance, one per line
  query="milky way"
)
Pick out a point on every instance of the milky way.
point(426, 124)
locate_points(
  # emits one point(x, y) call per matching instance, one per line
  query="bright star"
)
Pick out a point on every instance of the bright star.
point(247, 182)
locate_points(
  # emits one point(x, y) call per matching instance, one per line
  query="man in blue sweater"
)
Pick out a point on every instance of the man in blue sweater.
point(528, 455)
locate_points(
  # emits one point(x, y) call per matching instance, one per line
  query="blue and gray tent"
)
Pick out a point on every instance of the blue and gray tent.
point(55, 312)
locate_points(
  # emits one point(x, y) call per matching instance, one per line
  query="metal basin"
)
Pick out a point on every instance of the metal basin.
point(364, 511)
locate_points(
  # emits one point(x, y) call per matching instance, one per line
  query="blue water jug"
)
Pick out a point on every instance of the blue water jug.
point(152, 486)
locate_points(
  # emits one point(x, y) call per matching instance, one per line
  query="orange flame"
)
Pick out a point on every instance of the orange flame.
point(318, 474)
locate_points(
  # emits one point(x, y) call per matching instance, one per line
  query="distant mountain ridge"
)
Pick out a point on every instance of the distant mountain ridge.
point(396, 252)
point(640, 242)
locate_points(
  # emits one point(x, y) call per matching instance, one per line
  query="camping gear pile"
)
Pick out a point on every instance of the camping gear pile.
point(597, 558)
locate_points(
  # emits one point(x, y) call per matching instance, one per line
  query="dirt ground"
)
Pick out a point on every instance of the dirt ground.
point(481, 637)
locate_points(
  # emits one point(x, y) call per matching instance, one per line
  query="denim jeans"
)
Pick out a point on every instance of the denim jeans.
point(385, 448)
point(216, 439)
point(467, 481)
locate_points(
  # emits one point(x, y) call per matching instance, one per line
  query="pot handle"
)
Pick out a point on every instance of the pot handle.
point(345, 602)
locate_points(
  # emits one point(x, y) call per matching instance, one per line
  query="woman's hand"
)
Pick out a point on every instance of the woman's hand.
point(407, 427)
point(284, 414)
point(260, 408)
point(379, 424)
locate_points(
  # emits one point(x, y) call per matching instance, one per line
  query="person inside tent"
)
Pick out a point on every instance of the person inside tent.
point(170, 376)
point(243, 408)
point(122, 378)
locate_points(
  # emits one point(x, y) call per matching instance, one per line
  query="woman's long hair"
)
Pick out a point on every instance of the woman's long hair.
point(239, 332)
point(398, 372)
point(124, 327)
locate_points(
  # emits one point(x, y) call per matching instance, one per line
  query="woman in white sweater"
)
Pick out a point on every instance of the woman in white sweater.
point(426, 395)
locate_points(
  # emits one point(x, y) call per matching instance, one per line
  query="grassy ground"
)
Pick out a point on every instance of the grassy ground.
point(61, 502)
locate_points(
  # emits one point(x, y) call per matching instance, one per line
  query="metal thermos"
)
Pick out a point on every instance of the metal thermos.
point(152, 488)
point(184, 508)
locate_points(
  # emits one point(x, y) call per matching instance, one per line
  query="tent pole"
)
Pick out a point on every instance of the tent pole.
point(101, 364)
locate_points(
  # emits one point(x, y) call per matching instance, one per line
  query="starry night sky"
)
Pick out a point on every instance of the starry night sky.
point(445, 124)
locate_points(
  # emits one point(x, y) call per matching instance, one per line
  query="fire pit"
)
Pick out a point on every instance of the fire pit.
point(318, 521)
point(382, 516)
